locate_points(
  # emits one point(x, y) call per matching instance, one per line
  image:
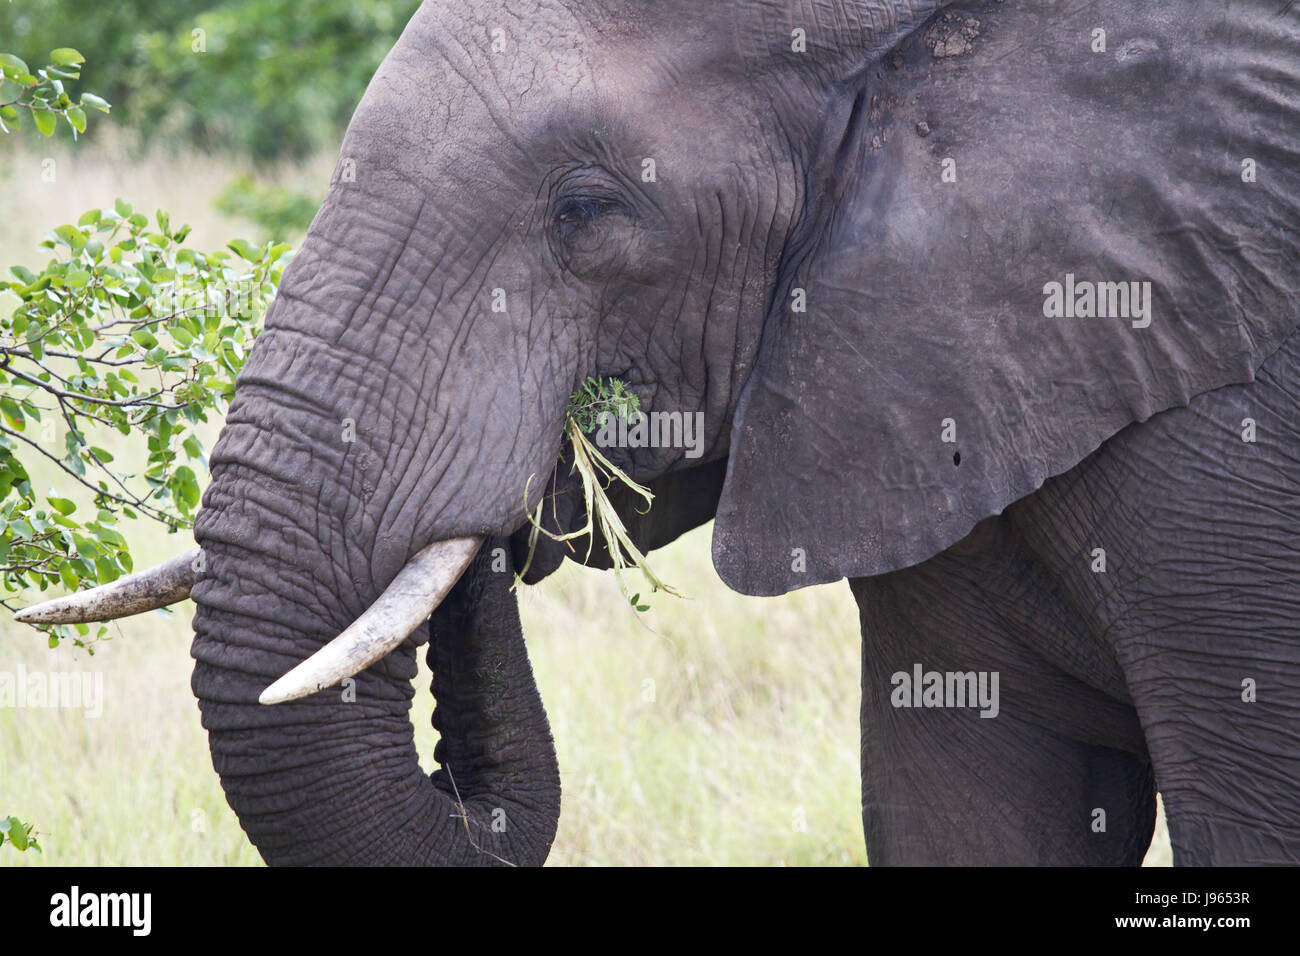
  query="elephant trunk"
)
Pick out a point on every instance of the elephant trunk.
point(334, 778)
point(384, 409)
point(289, 561)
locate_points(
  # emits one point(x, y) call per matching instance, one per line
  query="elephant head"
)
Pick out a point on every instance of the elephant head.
point(833, 229)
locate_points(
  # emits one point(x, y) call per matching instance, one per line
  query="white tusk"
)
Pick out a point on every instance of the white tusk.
point(149, 590)
point(415, 592)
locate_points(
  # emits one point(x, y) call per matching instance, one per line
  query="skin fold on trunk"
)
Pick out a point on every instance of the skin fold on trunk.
point(334, 778)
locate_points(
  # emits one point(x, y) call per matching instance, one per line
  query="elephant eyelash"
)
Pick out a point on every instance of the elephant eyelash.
point(585, 209)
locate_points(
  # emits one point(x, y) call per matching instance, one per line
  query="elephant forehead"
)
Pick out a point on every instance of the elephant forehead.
point(525, 58)
point(486, 96)
point(507, 58)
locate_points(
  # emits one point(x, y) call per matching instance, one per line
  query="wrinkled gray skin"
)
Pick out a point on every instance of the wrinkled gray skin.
point(466, 170)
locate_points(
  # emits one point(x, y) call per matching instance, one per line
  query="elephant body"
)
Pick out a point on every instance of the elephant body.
point(1177, 666)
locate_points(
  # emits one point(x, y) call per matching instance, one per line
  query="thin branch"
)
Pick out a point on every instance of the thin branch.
point(95, 360)
point(116, 403)
point(465, 818)
point(140, 503)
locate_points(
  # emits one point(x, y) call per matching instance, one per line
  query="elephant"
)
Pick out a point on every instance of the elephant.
point(989, 309)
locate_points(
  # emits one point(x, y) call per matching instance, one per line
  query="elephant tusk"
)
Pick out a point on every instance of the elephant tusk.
point(414, 594)
point(149, 590)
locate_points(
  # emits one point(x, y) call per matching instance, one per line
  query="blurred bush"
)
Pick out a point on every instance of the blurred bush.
point(275, 210)
point(268, 78)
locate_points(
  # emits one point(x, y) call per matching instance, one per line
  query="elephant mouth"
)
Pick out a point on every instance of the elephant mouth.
point(409, 600)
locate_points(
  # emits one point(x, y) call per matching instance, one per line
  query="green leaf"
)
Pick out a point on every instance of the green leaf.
point(77, 118)
point(11, 411)
point(105, 571)
point(71, 235)
point(244, 249)
point(17, 833)
point(90, 99)
point(62, 505)
point(10, 116)
point(12, 67)
point(45, 121)
point(66, 56)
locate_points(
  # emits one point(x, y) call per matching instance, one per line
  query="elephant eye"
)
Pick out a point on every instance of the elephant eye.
point(590, 232)
point(581, 210)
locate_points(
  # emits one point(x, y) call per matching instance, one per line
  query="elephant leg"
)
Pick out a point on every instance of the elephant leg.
point(1228, 771)
point(1058, 776)
point(1197, 512)
point(1213, 660)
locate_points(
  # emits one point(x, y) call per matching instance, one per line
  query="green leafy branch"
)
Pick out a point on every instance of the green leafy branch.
point(42, 93)
point(22, 836)
point(594, 399)
point(123, 331)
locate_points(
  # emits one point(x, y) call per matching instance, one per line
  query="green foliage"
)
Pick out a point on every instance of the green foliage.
point(265, 77)
point(597, 396)
point(123, 330)
point(275, 210)
point(42, 94)
point(21, 835)
point(593, 399)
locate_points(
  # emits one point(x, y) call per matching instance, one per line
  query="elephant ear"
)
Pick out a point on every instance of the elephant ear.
point(938, 374)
